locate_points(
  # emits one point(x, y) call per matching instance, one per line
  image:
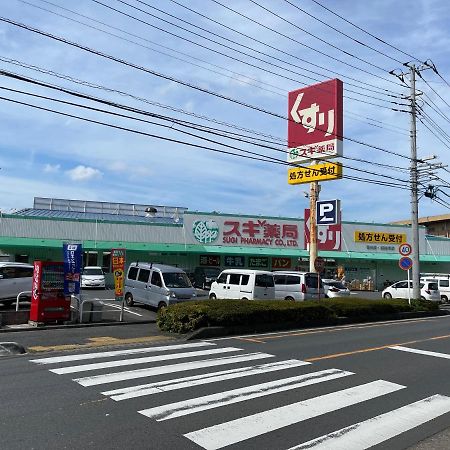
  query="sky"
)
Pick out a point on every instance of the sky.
point(228, 66)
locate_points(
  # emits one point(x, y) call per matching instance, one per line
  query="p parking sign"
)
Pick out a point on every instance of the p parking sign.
point(327, 212)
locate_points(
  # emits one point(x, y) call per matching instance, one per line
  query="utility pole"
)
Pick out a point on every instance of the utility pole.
point(313, 197)
point(415, 254)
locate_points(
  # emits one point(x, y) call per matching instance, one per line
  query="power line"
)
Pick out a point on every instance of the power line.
point(167, 77)
point(365, 31)
point(247, 54)
point(256, 83)
point(342, 33)
point(268, 45)
point(153, 115)
point(322, 40)
point(263, 159)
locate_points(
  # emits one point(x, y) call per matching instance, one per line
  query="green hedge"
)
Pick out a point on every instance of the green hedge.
point(189, 316)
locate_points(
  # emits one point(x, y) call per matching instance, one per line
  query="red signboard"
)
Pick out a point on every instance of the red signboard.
point(328, 236)
point(315, 125)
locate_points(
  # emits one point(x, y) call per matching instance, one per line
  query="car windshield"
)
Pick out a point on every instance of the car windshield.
point(92, 271)
point(176, 280)
point(212, 272)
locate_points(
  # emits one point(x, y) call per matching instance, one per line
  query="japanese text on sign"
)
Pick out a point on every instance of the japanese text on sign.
point(374, 236)
point(281, 263)
point(328, 236)
point(118, 269)
point(315, 128)
point(260, 232)
point(234, 261)
point(210, 260)
point(318, 172)
point(258, 262)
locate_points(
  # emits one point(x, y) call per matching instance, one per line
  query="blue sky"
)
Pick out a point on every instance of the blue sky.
point(47, 155)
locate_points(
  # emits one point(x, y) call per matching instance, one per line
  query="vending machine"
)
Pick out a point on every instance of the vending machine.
point(48, 302)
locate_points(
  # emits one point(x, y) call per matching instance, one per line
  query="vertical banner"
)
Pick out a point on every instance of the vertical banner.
point(72, 268)
point(118, 270)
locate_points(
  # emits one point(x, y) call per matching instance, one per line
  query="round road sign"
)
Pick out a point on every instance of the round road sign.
point(405, 249)
point(319, 264)
point(405, 263)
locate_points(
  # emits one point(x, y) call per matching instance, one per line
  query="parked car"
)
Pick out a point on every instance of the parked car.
point(443, 281)
point(93, 277)
point(428, 290)
point(14, 278)
point(297, 286)
point(205, 276)
point(334, 288)
point(157, 285)
point(243, 284)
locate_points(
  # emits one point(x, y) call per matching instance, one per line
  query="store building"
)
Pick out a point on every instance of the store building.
point(366, 253)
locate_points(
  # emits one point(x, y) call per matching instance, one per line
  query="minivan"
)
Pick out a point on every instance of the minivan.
point(14, 278)
point(298, 286)
point(243, 284)
point(157, 285)
point(443, 281)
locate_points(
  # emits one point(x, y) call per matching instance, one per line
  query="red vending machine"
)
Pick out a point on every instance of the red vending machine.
point(48, 302)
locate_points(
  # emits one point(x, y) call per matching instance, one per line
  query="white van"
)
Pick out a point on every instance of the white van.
point(243, 284)
point(443, 281)
point(298, 286)
point(157, 285)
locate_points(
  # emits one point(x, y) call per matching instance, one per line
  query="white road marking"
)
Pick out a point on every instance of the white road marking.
point(221, 435)
point(183, 408)
point(84, 356)
point(363, 435)
point(420, 352)
point(197, 380)
point(113, 305)
point(171, 368)
point(147, 359)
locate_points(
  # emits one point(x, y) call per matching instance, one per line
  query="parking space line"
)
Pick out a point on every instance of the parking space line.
point(120, 307)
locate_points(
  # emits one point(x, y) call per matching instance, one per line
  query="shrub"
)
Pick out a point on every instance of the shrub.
point(190, 316)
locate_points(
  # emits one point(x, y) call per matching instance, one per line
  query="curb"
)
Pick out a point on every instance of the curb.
point(73, 325)
point(213, 332)
point(11, 348)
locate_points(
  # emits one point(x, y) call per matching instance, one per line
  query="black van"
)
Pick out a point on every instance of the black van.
point(204, 276)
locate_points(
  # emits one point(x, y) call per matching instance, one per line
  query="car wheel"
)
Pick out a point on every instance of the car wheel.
point(212, 297)
point(290, 299)
point(444, 298)
point(387, 295)
point(422, 297)
point(129, 300)
point(162, 305)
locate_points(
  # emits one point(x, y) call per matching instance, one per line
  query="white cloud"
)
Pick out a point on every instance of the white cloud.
point(52, 168)
point(83, 173)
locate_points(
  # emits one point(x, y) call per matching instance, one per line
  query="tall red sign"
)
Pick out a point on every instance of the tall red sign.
point(328, 236)
point(315, 125)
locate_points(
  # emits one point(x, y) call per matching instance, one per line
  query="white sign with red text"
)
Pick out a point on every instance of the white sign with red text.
point(315, 125)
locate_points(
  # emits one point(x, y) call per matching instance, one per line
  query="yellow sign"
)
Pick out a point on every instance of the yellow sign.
point(380, 238)
point(318, 172)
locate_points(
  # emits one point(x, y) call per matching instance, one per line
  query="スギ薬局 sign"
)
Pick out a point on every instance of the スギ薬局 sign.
point(315, 125)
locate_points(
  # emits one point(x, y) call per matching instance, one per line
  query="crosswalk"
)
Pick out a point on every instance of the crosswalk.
point(156, 376)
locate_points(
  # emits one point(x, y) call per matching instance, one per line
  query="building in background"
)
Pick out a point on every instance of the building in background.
point(366, 254)
point(434, 225)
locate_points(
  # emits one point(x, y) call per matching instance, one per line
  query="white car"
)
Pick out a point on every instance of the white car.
point(428, 290)
point(334, 288)
point(93, 277)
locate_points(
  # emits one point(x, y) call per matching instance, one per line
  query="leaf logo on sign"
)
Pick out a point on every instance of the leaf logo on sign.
point(205, 231)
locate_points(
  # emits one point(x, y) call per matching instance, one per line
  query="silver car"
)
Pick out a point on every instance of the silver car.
point(14, 278)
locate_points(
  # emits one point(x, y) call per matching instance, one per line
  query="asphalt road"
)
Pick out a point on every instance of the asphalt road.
point(274, 391)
